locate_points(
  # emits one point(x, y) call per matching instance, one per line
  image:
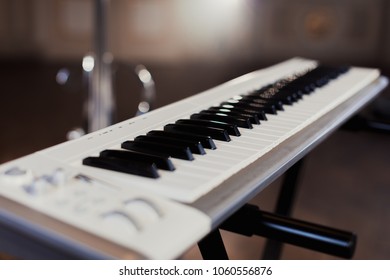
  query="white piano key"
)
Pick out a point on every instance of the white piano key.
point(218, 158)
point(258, 133)
point(276, 126)
point(235, 151)
point(250, 143)
point(215, 164)
point(195, 168)
point(283, 120)
point(266, 128)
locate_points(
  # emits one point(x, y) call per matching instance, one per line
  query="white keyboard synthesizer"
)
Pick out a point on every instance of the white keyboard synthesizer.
point(131, 190)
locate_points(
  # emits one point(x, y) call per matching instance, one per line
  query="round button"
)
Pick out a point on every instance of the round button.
point(38, 186)
point(16, 176)
point(58, 177)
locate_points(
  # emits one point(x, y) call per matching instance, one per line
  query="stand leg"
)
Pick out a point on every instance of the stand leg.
point(212, 248)
point(273, 249)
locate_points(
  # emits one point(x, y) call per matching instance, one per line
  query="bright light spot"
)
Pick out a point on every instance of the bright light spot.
point(143, 107)
point(144, 76)
point(75, 134)
point(88, 63)
point(62, 76)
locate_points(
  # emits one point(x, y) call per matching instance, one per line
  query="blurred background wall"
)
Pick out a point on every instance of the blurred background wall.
point(173, 31)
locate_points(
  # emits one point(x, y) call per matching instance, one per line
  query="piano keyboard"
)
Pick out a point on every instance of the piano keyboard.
point(134, 183)
point(192, 179)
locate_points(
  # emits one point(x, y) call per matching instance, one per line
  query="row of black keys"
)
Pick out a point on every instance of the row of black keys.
point(148, 153)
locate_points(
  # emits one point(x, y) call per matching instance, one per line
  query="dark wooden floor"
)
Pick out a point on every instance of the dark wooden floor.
point(345, 183)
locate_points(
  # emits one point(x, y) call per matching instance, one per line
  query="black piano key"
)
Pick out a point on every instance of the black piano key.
point(162, 162)
point(319, 75)
point(296, 94)
point(306, 83)
point(215, 133)
point(125, 166)
point(246, 118)
point(268, 107)
point(138, 149)
point(240, 122)
point(251, 105)
point(206, 141)
point(281, 93)
point(173, 151)
point(274, 95)
point(195, 147)
point(288, 96)
point(334, 72)
point(253, 118)
point(259, 113)
point(286, 100)
point(276, 102)
point(299, 93)
point(232, 129)
point(300, 85)
point(343, 69)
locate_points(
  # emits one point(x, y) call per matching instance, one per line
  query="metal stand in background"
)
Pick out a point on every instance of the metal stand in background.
point(100, 93)
point(100, 106)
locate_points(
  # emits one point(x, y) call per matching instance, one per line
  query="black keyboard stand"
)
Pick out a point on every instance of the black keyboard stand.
point(273, 248)
point(249, 220)
point(279, 228)
point(358, 123)
point(212, 248)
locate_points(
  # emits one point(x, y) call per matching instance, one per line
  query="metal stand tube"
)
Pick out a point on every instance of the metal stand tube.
point(100, 99)
point(249, 221)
